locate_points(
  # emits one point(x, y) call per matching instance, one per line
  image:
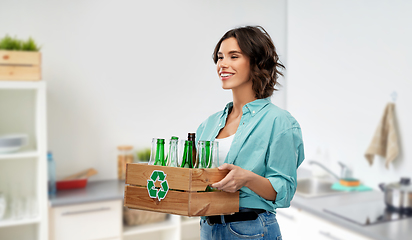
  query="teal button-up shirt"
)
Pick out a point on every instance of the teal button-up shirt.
point(267, 142)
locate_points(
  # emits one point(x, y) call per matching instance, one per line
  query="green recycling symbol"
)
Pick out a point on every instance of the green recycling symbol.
point(155, 192)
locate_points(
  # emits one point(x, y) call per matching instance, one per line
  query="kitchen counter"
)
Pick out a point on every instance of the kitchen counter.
point(392, 230)
point(94, 191)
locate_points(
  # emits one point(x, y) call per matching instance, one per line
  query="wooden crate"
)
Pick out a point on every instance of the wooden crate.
point(20, 65)
point(184, 196)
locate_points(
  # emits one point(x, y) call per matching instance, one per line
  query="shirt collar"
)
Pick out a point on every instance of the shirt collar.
point(253, 107)
point(226, 110)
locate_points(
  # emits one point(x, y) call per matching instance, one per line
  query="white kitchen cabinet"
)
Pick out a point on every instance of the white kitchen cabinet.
point(165, 230)
point(174, 228)
point(325, 230)
point(298, 224)
point(23, 174)
point(103, 220)
point(290, 223)
point(89, 221)
point(190, 228)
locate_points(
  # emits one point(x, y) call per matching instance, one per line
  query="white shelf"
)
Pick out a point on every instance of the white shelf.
point(146, 228)
point(24, 104)
point(13, 222)
point(22, 154)
point(21, 84)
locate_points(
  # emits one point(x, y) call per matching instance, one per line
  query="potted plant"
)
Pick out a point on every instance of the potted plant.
point(19, 59)
point(143, 155)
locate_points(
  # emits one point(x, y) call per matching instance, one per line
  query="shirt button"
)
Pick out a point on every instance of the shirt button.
point(220, 124)
point(253, 112)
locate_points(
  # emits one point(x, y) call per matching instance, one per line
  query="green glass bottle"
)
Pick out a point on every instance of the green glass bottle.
point(203, 157)
point(187, 155)
point(160, 153)
point(192, 137)
point(171, 160)
point(208, 155)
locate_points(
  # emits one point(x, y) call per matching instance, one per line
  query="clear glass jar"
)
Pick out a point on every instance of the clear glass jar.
point(124, 156)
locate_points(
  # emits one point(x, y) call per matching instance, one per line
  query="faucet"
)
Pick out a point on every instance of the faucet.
point(345, 172)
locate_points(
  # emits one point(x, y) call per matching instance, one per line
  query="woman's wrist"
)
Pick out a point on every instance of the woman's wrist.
point(249, 178)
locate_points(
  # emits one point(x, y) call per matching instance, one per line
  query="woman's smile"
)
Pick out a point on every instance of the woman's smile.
point(225, 75)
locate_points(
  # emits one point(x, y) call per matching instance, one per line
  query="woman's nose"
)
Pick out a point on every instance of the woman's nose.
point(222, 64)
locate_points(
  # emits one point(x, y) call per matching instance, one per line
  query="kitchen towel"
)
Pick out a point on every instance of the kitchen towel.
point(385, 140)
point(339, 187)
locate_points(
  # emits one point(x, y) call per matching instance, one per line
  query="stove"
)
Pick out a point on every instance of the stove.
point(367, 213)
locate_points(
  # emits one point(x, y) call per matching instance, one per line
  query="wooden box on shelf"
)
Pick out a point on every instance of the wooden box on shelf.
point(20, 65)
point(184, 187)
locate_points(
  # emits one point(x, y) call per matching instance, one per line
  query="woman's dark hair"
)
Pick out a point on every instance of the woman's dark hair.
point(256, 44)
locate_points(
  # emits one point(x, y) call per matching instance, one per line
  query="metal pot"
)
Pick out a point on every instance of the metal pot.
point(398, 196)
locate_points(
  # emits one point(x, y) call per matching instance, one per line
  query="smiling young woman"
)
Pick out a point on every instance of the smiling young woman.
point(261, 144)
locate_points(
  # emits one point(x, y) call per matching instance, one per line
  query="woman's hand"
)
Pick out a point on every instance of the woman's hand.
point(234, 180)
point(239, 177)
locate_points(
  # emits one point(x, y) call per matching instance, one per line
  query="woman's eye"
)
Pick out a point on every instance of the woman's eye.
point(234, 56)
point(220, 57)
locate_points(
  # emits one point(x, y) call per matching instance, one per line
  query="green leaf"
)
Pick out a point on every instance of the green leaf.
point(30, 45)
point(9, 43)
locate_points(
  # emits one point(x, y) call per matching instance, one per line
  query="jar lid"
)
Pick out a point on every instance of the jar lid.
point(125, 147)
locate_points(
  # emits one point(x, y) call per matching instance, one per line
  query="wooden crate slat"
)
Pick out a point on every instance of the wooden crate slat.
point(138, 174)
point(20, 73)
point(201, 178)
point(174, 203)
point(183, 203)
point(177, 178)
point(213, 203)
point(20, 57)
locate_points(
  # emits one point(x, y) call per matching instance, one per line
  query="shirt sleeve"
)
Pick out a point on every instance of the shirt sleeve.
point(284, 155)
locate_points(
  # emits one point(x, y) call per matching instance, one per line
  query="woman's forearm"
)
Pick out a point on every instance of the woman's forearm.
point(261, 186)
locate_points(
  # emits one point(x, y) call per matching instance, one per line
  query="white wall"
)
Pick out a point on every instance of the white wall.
point(345, 58)
point(122, 72)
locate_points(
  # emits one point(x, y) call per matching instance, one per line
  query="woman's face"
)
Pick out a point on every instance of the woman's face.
point(233, 67)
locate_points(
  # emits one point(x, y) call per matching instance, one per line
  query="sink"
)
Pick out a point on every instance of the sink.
point(316, 187)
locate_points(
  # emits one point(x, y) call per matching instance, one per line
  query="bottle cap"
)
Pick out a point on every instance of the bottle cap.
point(193, 135)
point(160, 140)
point(175, 138)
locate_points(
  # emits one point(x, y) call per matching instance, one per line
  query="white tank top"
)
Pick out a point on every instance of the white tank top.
point(224, 147)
